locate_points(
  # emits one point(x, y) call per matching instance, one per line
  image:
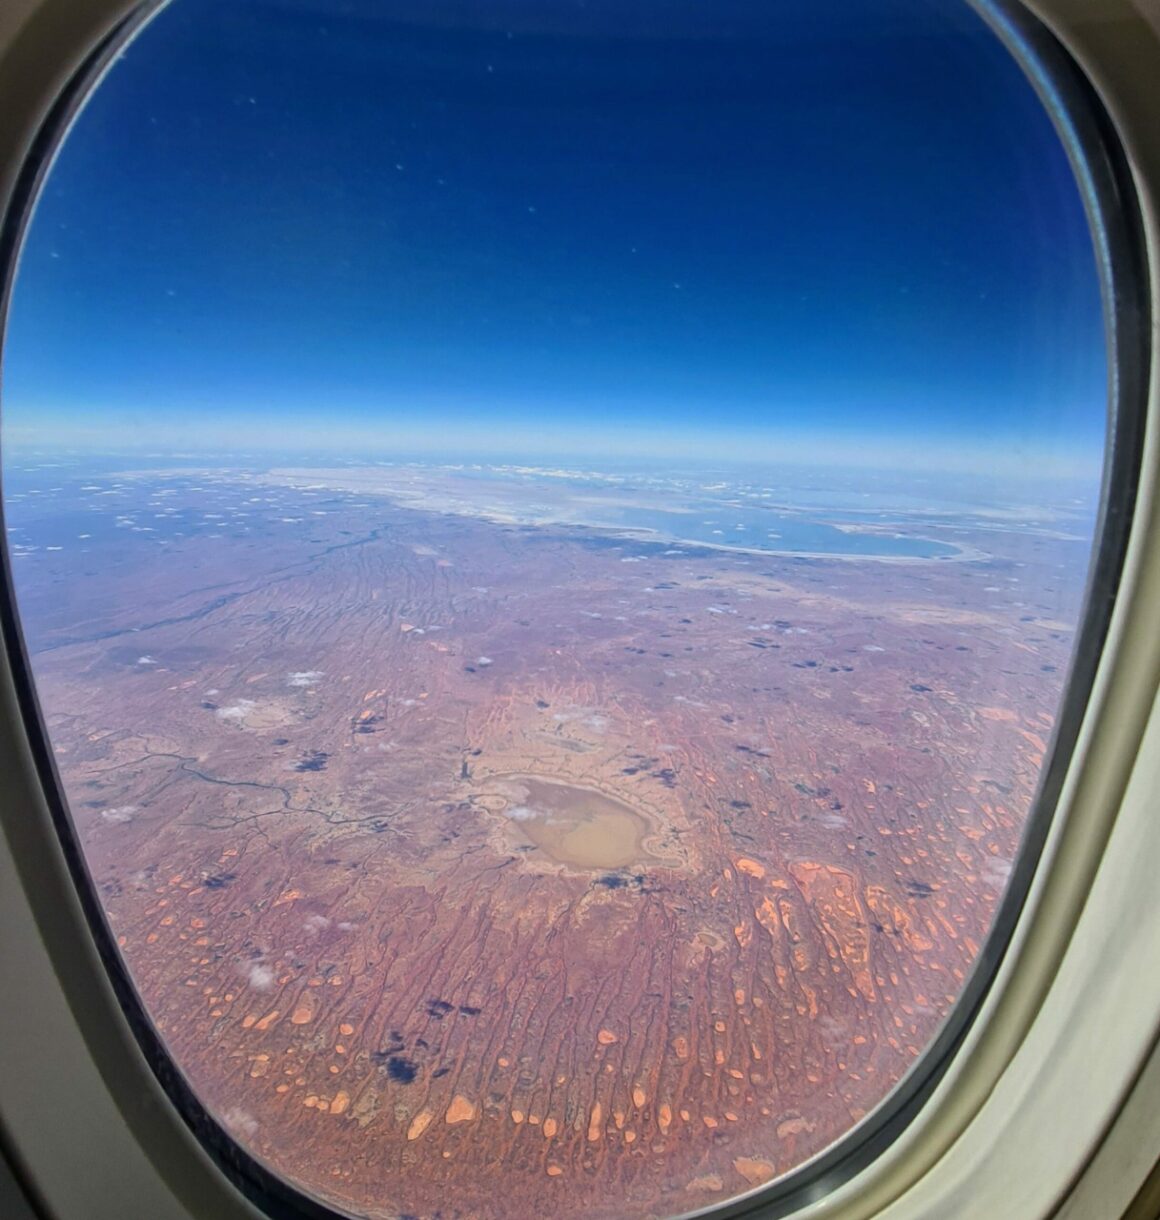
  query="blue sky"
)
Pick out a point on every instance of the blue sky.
point(546, 225)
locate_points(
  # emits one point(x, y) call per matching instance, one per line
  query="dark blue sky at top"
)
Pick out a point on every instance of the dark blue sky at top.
point(848, 219)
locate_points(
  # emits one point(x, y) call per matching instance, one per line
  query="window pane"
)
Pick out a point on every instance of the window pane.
point(550, 540)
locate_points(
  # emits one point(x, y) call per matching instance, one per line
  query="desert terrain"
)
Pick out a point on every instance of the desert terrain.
point(452, 852)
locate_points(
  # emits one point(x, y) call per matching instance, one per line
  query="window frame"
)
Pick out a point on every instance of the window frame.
point(144, 1155)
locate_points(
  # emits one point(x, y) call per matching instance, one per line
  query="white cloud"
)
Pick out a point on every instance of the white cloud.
point(122, 813)
point(261, 977)
point(305, 677)
point(996, 871)
point(240, 1122)
point(525, 813)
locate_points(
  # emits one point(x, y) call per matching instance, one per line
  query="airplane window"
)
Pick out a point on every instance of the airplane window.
point(551, 541)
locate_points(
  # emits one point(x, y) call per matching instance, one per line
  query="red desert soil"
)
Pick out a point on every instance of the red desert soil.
point(442, 849)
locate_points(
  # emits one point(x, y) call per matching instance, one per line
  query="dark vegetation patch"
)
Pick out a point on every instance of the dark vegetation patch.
point(314, 761)
point(402, 1070)
point(619, 881)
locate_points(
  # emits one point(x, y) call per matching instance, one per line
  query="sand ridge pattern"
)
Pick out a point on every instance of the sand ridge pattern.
point(435, 843)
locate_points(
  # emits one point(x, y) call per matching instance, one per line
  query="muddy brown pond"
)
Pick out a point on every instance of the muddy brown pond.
point(578, 827)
